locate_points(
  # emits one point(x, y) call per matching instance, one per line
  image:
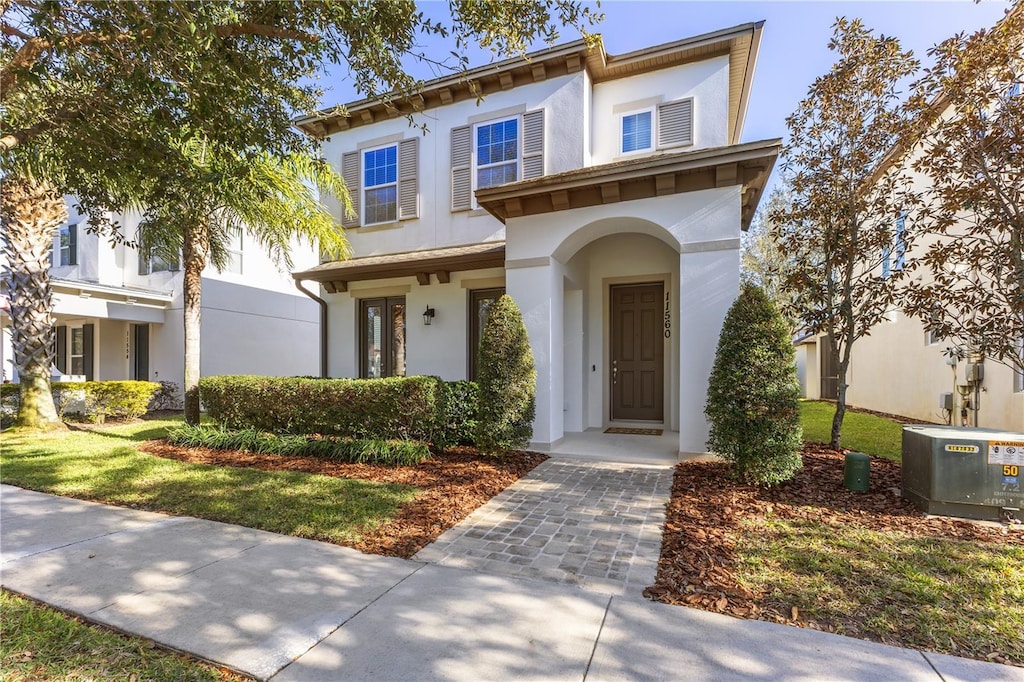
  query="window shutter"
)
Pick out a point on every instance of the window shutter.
point(408, 182)
point(73, 244)
point(87, 340)
point(533, 144)
point(350, 173)
point(462, 156)
point(62, 349)
point(675, 123)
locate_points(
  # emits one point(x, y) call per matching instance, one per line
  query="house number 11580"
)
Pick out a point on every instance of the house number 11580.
point(668, 316)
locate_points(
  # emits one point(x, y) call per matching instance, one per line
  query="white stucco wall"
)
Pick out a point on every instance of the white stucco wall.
point(706, 81)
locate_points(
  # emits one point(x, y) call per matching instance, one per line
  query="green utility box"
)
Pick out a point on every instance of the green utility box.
point(857, 471)
point(973, 473)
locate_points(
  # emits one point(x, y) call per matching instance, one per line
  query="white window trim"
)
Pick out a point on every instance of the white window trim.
point(518, 118)
point(363, 222)
point(235, 255)
point(654, 130)
point(148, 260)
point(58, 247)
point(80, 328)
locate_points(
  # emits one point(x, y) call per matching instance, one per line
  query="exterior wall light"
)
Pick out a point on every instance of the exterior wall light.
point(428, 316)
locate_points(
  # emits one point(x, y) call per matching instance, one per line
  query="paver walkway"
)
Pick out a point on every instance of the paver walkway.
point(593, 524)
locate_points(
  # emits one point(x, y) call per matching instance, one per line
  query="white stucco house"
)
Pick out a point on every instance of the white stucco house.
point(604, 193)
point(119, 313)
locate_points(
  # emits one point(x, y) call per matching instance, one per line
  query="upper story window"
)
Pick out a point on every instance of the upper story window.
point(155, 263)
point(65, 250)
point(380, 185)
point(382, 182)
point(497, 152)
point(894, 258)
point(636, 132)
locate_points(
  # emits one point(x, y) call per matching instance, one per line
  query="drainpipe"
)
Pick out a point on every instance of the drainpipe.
point(323, 326)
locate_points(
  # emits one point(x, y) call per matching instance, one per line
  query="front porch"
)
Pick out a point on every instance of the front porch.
point(596, 445)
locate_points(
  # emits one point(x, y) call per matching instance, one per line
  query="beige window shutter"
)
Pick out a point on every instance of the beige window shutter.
point(533, 144)
point(675, 123)
point(462, 158)
point(408, 182)
point(350, 174)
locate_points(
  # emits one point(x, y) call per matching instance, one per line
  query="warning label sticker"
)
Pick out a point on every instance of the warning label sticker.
point(1006, 452)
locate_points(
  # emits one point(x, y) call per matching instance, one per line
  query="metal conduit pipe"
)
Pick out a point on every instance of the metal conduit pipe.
point(323, 326)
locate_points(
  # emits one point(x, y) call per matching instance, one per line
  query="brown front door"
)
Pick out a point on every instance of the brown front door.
point(638, 352)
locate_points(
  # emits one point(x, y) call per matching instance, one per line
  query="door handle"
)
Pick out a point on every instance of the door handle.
point(615, 371)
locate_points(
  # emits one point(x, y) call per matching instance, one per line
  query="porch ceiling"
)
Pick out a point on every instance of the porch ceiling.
point(336, 275)
point(748, 165)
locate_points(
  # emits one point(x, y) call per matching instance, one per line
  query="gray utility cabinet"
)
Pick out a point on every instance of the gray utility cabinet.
point(968, 472)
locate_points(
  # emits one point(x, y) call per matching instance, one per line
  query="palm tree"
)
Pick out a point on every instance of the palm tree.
point(219, 193)
point(31, 209)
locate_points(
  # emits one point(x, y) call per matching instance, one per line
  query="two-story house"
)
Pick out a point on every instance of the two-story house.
point(604, 193)
point(119, 312)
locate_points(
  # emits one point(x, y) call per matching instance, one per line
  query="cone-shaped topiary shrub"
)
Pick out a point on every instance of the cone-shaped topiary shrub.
point(507, 379)
point(753, 394)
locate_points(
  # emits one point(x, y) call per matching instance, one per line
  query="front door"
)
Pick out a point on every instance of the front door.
point(638, 352)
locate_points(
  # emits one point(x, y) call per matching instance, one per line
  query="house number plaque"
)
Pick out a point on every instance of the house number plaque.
point(668, 316)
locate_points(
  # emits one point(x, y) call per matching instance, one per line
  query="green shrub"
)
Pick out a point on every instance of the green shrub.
point(66, 393)
point(396, 408)
point(121, 399)
point(461, 405)
point(362, 451)
point(507, 379)
point(753, 393)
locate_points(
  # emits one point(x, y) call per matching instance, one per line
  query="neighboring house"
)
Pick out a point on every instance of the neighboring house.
point(604, 193)
point(901, 369)
point(119, 313)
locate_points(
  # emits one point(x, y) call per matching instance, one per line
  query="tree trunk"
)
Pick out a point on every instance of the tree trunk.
point(30, 212)
point(194, 251)
point(837, 419)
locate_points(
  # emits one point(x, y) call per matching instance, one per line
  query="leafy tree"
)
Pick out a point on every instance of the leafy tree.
point(971, 154)
point(507, 379)
point(762, 261)
point(94, 97)
point(753, 393)
point(842, 230)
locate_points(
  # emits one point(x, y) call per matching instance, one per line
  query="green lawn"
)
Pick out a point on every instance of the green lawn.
point(954, 596)
point(861, 432)
point(40, 643)
point(104, 465)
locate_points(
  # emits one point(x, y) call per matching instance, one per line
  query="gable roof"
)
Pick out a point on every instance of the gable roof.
point(739, 43)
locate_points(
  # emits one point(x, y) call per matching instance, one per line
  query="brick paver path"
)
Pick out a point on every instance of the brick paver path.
point(593, 524)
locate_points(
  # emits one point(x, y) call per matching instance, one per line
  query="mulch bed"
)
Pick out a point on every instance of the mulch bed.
point(453, 484)
point(704, 519)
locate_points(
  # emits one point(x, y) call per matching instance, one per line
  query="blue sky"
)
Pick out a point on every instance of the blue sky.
point(794, 47)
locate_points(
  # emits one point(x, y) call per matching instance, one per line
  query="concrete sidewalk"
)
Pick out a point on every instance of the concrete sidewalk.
point(290, 609)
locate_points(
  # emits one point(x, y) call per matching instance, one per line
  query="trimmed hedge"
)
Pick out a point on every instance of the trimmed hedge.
point(462, 406)
point(99, 399)
point(753, 393)
point(359, 451)
point(396, 408)
point(507, 378)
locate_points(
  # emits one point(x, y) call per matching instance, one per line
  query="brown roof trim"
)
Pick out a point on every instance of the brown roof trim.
point(335, 275)
point(739, 42)
point(747, 164)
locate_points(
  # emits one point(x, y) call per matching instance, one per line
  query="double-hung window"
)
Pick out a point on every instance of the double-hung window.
point(234, 250)
point(66, 249)
point(380, 185)
point(497, 152)
point(153, 262)
point(637, 132)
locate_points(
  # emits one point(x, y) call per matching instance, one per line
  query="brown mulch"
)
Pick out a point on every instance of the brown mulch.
point(704, 519)
point(452, 484)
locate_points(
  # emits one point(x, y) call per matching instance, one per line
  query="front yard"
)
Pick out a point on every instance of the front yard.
point(812, 554)
point(385, 510)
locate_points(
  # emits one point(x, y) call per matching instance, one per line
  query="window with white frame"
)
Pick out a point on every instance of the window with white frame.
point(65, 250)
point(234, 250)
point(496, 152)
point(636, 131)
point(894, 258)
point(380, 185)
point(77, 355)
